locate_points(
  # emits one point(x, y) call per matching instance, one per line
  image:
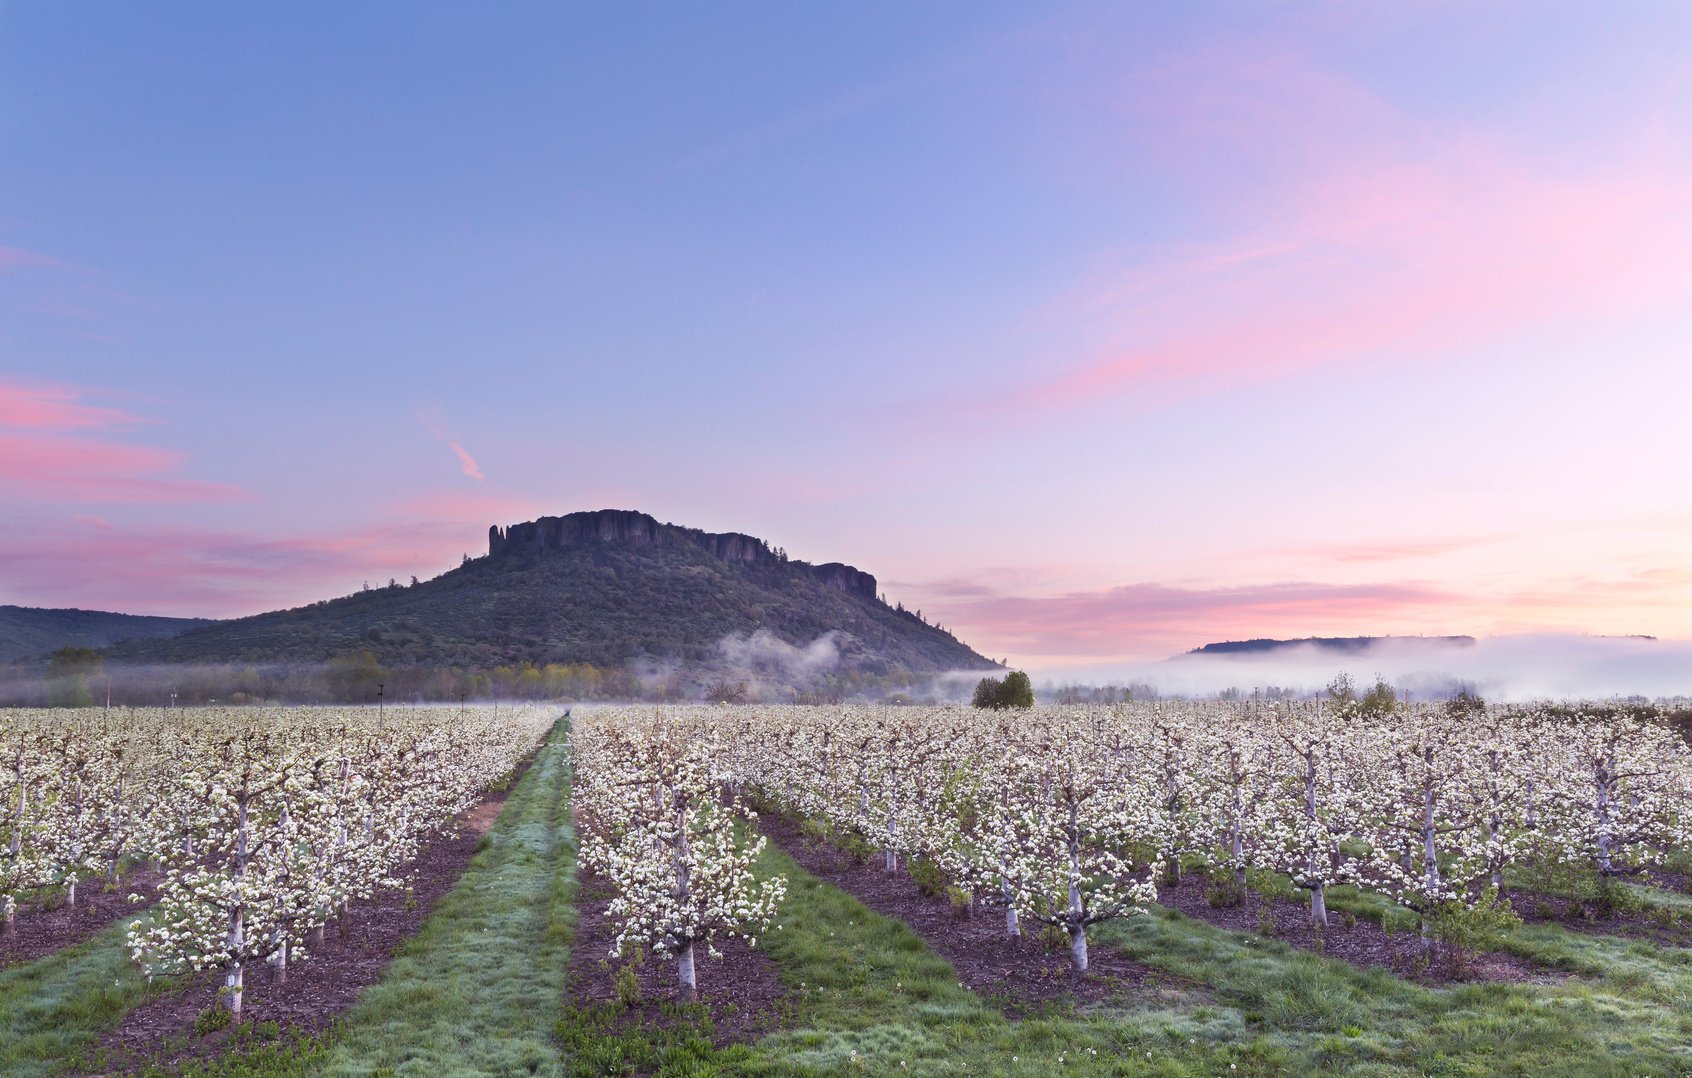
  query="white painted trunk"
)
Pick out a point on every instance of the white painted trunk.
point(684, 972)
point(1318, 906)
point(1013, 929)
point(1078, 947)
point(233, 979)
point(1605, 863)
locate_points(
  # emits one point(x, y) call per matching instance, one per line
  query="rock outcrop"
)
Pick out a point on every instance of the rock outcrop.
point(640, 529)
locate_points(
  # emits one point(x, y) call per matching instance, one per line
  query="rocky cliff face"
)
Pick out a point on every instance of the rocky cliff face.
point(639, 529)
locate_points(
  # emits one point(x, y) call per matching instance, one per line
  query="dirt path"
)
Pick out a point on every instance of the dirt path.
point(40, 932)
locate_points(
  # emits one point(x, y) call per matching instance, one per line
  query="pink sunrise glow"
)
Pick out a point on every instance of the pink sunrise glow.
point(1097, 335)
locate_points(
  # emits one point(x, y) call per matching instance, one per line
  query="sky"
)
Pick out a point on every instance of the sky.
point(1095, 331)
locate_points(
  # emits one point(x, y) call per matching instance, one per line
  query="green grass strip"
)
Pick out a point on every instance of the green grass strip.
point(53, 1010)
point(477, 990)
point(871, 998)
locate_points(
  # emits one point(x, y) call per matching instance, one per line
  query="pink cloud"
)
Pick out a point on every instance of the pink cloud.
point(1363, 236)
point(466, 462)
point(44, 456)
point(53, 468)
point(55, 408)
point(433, 422)
point(1148, 618)
point(214, 573)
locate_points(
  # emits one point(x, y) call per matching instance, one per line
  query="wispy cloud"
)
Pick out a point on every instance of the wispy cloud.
point(47, 453)
point(1366, 239)
point(435, 424)
point(1137, 619)
point(214, 572)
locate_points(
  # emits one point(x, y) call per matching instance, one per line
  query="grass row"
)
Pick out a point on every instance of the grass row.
point(476, 991)
point(872, 998)
point(53, 1010)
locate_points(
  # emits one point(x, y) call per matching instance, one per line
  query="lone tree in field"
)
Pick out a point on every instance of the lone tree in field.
point(1013, 690)
point(1016, 690)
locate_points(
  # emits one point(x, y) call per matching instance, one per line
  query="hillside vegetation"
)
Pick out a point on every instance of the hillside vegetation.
point(30, 633)
point(597, 601)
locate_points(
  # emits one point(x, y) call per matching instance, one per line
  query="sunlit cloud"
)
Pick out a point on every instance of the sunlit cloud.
point(215, 573)
point(432, 422)
point(1364, 239)
point(55, 408)
point(467, 462)
point(1152, 618)
point(46, 456)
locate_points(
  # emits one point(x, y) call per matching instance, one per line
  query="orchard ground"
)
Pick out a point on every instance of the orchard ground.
point(861, 984)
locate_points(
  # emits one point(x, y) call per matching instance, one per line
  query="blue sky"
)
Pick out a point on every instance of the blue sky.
point(1097, 331)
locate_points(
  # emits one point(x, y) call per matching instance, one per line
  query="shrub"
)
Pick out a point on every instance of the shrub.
point(929, 879)
point(626, 985)
point(854, 846)
point(211, 1020)
point(1222, 888)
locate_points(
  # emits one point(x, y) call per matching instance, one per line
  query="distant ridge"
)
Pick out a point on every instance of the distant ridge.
point(1345, 645)
point(32, 632)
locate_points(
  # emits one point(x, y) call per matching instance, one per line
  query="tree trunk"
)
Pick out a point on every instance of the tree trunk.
point(1318, 906)
point(1078, 947)
point(684, 972)
point(1605, 864)
point(1077, 925)
point(1493, 826)
point(233, 980)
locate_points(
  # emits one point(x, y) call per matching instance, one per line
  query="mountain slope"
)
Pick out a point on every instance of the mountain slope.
point(31, 632)
point(600, 587)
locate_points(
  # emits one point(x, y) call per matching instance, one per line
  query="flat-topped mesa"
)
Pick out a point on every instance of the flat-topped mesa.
point(639, 529)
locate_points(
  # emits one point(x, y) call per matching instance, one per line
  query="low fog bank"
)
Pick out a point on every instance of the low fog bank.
point(757, 667)
point(1504, 668)
point(760, 667)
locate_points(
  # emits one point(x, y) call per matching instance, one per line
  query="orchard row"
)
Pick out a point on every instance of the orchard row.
point(260, 824)
point(1069, 817)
